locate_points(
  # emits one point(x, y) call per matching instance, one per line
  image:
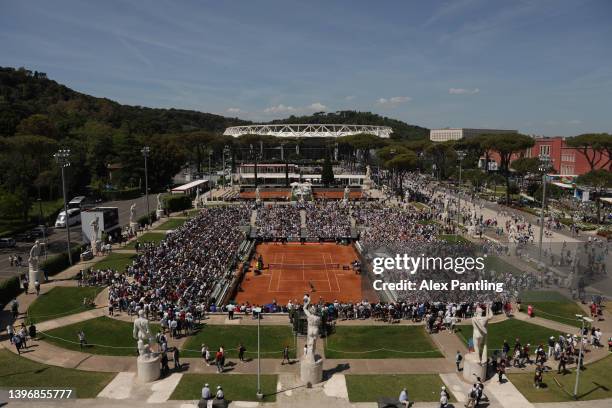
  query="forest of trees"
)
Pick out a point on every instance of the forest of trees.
point(38, 116)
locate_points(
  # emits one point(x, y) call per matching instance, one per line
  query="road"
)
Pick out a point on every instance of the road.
point(56, 241)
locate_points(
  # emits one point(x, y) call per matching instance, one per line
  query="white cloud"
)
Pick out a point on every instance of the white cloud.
point(393, 101)
point(317, 107)
point(234, 110)
point(280, 108)
point(349, 97)
point(575, 122)
point(463, 91)
point(283, 109)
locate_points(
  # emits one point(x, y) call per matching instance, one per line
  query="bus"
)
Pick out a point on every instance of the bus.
point(81, 202)
point(74, 218)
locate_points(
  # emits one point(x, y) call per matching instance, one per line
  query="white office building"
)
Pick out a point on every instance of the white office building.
point(446, 134)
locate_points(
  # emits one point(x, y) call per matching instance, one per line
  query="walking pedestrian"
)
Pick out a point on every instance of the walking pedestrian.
point(241, 350)
point(82, 340)
point(285, 355)
point(458, 358)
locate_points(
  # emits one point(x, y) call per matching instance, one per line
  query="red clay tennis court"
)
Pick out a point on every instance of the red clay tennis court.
point(292, 269)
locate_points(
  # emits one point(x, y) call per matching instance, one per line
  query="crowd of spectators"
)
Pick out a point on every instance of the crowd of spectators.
point(327, 220)
point(182, 274)
point(278, 221)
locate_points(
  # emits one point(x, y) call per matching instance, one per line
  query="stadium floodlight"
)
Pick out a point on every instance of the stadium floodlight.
point(545, 163)
point(145, 152)
point(460, 155)
point(62, 158)
point(579, 365)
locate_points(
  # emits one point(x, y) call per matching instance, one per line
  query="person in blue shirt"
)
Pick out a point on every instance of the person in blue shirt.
point(403, 398)
point(206, 394)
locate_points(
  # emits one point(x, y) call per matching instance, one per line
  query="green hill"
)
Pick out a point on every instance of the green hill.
point(401, 130)
point(24, 93)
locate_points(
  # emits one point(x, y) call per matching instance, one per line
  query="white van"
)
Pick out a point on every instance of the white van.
point(74, 218)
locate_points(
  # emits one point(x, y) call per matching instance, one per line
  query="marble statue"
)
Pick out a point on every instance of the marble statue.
point(312, 334)
point(132, 214)
point(34, 255)
point(311, 367)
point(368, 172)
point(257, 194)
point(147, 362)
point(95, 228)
point(33, 270)
point(347, 192)
point(159, 203)
point(197, 198)
point(479, 326)
point(142, 333)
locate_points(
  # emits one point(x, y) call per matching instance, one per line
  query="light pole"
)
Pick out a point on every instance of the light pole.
point(259, 393)
point(544, 166)
point(145, 152)
point(582, 320)
point(460, 156)
point(62, 157)
point(225, 152)
point(210, 153)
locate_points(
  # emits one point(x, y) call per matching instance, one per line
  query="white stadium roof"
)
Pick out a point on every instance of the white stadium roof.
point(308, 130)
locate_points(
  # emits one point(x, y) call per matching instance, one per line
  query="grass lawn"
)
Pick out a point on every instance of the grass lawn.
point(510, 330)
point(595, 383)
point(236, 387)
point(172, 223)
point(147, 237)
point(99, 331)
point(497, 264)
point(453, 239)
point(366, 342)
point(552, 305)
point(19, 372)
point(115, 261)
point(273, 340)
point(420, 387)
point(60, 301)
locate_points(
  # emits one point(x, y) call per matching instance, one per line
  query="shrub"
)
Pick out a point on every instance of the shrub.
point(9, 289)
point(513, 189)
point(176, 202)
point(57, 263)
point(144, 220)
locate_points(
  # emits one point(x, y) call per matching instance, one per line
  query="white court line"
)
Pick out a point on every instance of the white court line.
point(280, 273)
point(326, 271)
point(331, 261)
point(272, 274)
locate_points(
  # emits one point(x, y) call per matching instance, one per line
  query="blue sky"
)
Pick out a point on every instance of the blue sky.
point(541, 66)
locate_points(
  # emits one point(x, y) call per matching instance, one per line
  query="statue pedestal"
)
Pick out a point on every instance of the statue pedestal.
point(134, 225)
point(159, 214)
point(148, 368)
point(473, 369)
point(311, 371)
point(33, 276)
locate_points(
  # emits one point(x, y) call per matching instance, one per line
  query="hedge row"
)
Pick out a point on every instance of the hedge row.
point(144, 220)
point(57, 263)
point(176, 202)
point(9, 289)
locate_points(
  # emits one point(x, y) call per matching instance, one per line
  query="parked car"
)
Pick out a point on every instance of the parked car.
point(7, 243)
point(40, 231)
